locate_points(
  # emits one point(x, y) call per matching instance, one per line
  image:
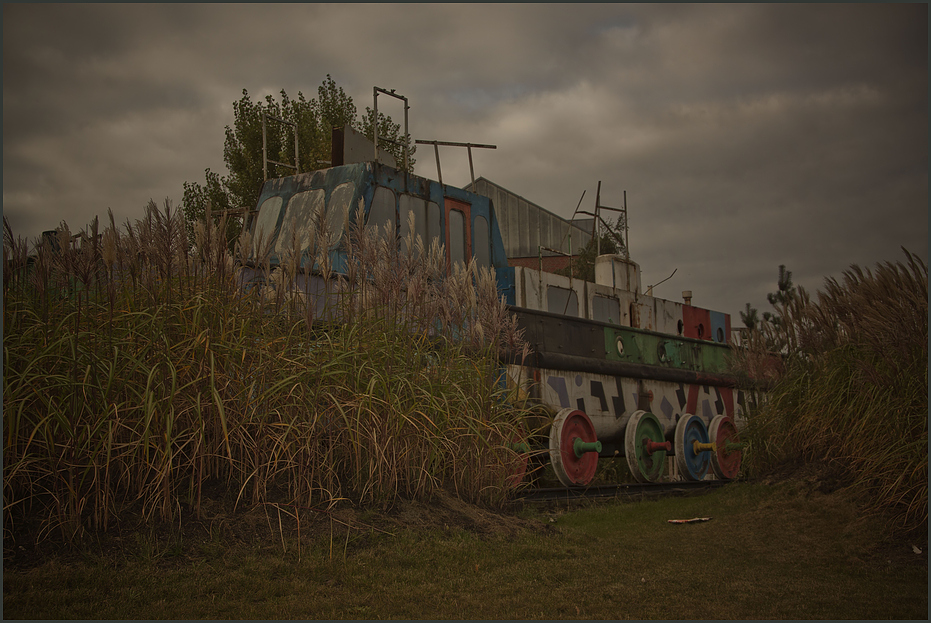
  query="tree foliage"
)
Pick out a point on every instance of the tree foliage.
point(750, 317)
point(583, 262)
point(214, 194)
point(242, 149)
point(785, 293)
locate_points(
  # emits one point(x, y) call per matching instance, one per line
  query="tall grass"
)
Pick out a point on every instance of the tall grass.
point(851, 389)
point(137, 371)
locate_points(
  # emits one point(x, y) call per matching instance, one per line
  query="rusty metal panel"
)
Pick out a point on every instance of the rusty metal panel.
point(551, 333)
point(697, 322)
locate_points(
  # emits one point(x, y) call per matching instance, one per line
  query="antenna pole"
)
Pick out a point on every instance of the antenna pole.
point(597, 205)
point(375, 122)
point(264, 152)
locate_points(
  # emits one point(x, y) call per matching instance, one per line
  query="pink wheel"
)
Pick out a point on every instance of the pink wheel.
point(725, 461)
point(574, 448)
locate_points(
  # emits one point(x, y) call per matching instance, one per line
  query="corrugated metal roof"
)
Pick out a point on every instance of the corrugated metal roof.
point(526, 226)
point(586, 224)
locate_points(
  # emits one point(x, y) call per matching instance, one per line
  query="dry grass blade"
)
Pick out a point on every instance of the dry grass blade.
point(154, 374)
point(854, 388)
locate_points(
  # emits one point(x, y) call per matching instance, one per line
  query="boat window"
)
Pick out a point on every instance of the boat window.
point(337, 211)
point(481, 241)
point(410, 204)
point(266, 222)
point(606, 309)
point(383, 211)
point(433, 224)
point(457, 243)
point(301, 213)
point(562, 301)
point(426, 219)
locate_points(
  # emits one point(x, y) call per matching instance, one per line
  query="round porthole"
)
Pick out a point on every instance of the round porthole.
point(701, 330)
point(720, 335)
point(620, 346)
point(679, 327)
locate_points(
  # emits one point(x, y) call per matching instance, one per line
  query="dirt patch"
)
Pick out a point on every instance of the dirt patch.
point(824, 477)
point(267, 525)
point(445, 511)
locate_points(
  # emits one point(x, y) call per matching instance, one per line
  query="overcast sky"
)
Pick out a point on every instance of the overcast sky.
point(746, 136)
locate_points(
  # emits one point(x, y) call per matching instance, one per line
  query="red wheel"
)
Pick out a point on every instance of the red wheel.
point(725, 461)
point(574, 448)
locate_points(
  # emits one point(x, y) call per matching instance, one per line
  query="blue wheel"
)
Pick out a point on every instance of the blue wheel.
point(693, 451)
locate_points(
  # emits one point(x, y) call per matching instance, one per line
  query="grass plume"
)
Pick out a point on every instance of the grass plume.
point(138, 370)
point(851, 389)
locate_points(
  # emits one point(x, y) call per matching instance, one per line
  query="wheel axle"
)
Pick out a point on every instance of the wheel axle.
point(734, 446)
point(698, 446)
point(581, 447)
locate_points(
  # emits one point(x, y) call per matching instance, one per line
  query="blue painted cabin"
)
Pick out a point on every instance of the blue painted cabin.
point(462, 221)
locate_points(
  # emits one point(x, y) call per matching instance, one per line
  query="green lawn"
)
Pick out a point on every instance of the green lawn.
point(769, 552)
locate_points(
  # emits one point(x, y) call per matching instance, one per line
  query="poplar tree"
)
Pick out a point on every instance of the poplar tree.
point(242, 148)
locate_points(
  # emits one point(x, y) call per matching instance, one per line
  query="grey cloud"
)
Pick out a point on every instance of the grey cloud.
point(746, 135)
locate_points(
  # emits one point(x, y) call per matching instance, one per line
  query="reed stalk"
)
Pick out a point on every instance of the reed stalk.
point(137, 370)
point(851, 387)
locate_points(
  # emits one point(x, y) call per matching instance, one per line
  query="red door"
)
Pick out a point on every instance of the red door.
point(458, 232)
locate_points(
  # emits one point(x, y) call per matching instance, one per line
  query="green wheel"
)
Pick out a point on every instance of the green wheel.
point(645, 447)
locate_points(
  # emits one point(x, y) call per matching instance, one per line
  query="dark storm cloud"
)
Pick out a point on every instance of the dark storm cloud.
point(65, 62)
point(746, 135)
point(745, 140)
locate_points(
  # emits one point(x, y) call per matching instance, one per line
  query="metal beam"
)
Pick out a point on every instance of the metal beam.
point(407, 136)
point(468, 146)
